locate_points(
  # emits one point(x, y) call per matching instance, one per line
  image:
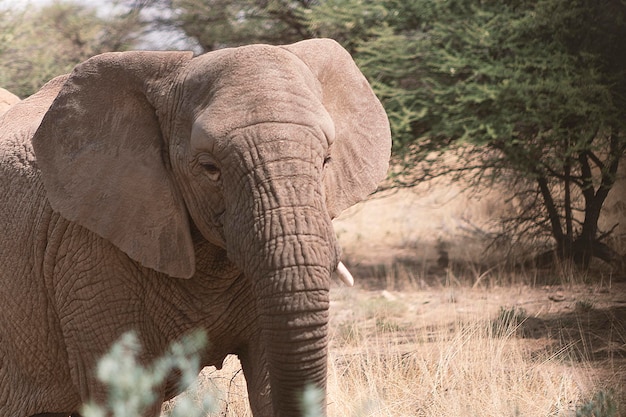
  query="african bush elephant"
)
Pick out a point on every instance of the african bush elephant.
point(161, 192)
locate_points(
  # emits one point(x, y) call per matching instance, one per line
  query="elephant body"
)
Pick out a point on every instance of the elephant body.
point(162, 193)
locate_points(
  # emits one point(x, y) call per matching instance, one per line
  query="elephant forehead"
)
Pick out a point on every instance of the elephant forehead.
point(258, 84)
point(269, 139)
point(223, 118)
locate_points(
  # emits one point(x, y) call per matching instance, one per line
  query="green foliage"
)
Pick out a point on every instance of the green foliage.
point(347, 21)
point(603, 404)
point(490, 72)
point(530, 93)
point(215, 24)
point(132, 387)
point(39, 43)
point(7, 27)
point(311, 400)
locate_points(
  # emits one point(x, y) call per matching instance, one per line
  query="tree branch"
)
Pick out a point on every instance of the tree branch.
point(553, 215)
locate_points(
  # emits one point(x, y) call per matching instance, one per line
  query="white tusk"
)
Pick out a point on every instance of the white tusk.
point(345, 275)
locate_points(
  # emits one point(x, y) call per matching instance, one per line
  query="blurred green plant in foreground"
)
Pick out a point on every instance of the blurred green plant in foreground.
point(132, 386)
point(602, 404)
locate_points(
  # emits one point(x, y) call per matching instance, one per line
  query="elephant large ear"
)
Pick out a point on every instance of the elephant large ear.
point(103, 159)
point(362, 147)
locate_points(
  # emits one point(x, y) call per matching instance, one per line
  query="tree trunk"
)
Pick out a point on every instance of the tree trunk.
point(562, 245)
point(569, 227)
point(588, 245)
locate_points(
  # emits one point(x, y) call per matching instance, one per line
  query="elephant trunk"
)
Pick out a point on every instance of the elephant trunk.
point(291, 281)
point(294, 323)
point(287, 249)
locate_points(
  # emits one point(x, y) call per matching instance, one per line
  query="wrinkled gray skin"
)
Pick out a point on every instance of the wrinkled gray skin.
point(160, 192)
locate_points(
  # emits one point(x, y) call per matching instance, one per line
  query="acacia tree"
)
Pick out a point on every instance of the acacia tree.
point(531, 92)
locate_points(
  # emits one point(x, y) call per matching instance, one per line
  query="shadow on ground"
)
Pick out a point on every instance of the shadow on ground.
point(590, 334)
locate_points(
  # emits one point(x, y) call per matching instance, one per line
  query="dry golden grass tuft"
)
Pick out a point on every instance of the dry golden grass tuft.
point(450, 373)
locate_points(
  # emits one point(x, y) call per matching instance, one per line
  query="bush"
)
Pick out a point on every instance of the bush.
point(602, 404)
point(132, 386)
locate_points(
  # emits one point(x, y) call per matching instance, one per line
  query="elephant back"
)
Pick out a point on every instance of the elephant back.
point(18, 124)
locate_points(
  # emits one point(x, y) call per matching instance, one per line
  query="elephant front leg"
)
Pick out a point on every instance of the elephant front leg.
point(257, 379)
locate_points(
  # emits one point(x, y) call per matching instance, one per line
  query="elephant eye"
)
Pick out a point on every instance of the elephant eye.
point(210, 167)
point(327, 160)
point(212, 171)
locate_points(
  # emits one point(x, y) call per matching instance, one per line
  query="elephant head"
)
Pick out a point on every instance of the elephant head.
point(255, 149)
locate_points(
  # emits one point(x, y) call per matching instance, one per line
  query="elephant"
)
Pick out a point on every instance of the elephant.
point(7, 99)
point(162, 192)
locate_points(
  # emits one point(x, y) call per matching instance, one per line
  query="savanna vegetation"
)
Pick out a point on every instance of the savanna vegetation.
point(520, 106)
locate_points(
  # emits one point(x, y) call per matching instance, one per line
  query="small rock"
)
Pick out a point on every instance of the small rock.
point(388, 296)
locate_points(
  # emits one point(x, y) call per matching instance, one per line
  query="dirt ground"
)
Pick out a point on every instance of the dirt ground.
point(588, 319)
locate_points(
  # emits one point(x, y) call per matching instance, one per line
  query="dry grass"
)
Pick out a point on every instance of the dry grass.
point(459, 373)
point(459, 359)
point(457, 352)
